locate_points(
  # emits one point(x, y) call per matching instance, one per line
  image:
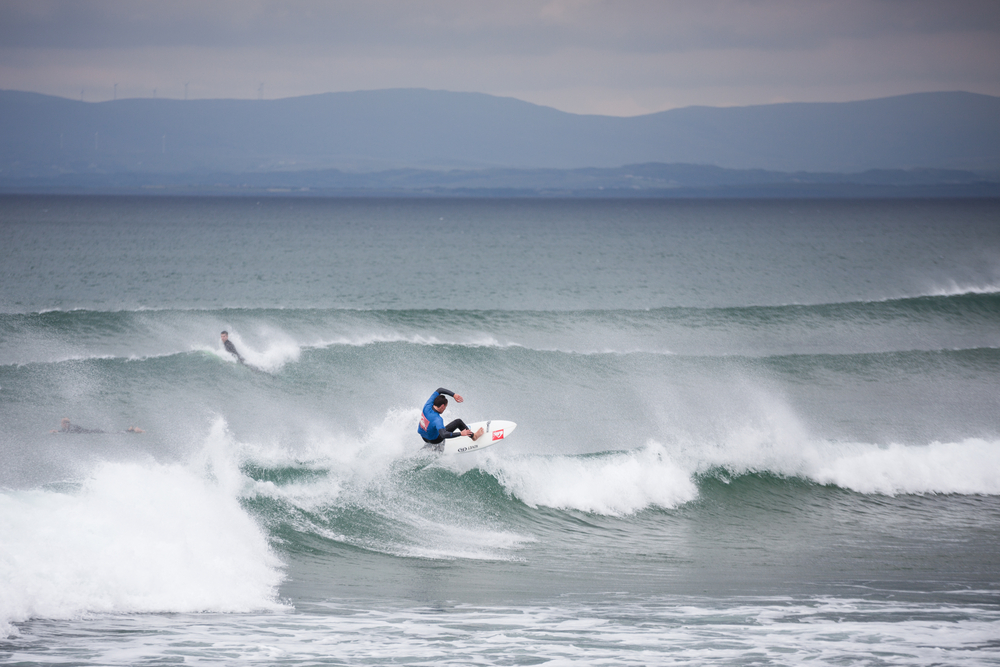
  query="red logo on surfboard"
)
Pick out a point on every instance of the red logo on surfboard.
point(498, 434)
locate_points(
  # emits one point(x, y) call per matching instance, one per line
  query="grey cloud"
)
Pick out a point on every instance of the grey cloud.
point(590, 56)
point(642, 26)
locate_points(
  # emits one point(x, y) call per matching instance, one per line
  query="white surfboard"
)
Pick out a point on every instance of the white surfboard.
point(494, 431)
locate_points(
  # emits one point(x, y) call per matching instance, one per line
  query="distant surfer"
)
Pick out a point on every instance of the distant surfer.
point(65, 426)
point(431, 427)
point(230, 348)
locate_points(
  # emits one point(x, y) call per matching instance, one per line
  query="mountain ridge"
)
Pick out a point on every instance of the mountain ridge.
point(372, 131)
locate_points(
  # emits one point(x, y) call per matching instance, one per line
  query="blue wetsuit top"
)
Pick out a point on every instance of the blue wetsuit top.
point(431, 426)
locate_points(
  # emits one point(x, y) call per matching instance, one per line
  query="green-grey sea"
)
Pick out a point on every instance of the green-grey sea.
point(756, 432)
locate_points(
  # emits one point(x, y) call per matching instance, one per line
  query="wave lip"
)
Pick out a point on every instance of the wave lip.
point(969, 467)
point(614, 483)
point(966, 467)
point(625, 482)
point(955, 289)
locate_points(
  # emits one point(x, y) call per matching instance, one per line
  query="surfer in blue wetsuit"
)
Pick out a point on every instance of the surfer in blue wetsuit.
point(431, 427)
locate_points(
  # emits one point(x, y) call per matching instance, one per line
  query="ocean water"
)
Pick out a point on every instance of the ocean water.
point(749, 433)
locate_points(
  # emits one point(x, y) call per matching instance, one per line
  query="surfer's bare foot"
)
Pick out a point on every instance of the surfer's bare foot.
point(477, 434)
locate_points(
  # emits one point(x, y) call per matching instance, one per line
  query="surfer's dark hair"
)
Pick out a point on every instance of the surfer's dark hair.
point(225, 332)
point(439, 401)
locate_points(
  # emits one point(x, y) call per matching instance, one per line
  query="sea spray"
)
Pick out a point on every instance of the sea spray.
point(278, 348)
point(379, 492)
point(135, 538)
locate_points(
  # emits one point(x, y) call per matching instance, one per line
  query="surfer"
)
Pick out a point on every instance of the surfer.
point(66, 427)
point(230, 348)
point(431, 427)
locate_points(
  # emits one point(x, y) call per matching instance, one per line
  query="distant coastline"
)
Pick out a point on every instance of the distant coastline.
point(645, 181)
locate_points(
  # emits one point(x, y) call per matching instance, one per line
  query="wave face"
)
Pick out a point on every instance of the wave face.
point(810, 426)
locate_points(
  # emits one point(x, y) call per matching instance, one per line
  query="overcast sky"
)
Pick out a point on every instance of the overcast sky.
point(584, 56)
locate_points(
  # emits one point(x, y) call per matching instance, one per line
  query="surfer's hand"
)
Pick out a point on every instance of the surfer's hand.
point(458, 399)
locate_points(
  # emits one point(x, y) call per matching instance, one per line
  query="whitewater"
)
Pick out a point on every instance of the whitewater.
point(748, 432)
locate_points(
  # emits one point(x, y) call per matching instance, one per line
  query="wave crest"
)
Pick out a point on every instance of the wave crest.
point(133, 538)
point(613, 483)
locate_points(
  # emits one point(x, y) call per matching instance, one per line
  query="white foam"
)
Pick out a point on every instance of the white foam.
point(364, 339)
point(446, 540)
point(614, 483)
point(657, 475)
point(280, 349)
point(968, 467)
point(672, 631)
point(954, 288)
point(134, 537)
point(373, 473)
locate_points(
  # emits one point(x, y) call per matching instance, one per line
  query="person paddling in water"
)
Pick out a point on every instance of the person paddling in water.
point(431, 427)
point(66, 427)
point(230, 348)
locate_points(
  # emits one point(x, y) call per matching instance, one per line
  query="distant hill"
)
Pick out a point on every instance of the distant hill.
point(44, 137)
point(392, 142)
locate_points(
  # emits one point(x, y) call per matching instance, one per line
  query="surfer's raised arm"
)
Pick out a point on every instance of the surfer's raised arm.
point(442, 390)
